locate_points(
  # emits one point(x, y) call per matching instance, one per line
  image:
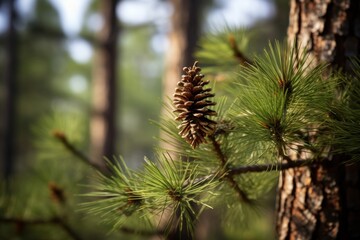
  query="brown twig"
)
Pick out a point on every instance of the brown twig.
point(76, 152)
point(269, 167)
point(70, 231)
point(54, 221)
point(63, 139)
point(148, 233)
point(237, 53)
point(229, 178)
point(238, 170)
point(218, 151)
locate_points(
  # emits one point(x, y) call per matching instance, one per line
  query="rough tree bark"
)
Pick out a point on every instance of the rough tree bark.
point(103, 121)
point(322, 202)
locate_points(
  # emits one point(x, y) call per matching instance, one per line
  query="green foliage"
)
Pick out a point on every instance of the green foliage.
point(218, 51)
point(44, 193)
point(283, 102)
point(139, 92)
point(345, 118)
point(278, 99)
point(277, 103)
point(165, 186)
point(119, 196)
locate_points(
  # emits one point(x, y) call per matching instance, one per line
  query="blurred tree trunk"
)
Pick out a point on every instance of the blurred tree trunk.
point(9, 91)
point(183, 37)
point(322, 202)
point(103, 121)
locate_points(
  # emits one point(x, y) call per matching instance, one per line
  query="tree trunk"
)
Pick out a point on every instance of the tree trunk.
point(103, 121)
point(183, 37)
point(9, 92)
point(322, 202)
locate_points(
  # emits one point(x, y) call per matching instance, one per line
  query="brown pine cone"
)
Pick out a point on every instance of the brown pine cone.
point(191, 104)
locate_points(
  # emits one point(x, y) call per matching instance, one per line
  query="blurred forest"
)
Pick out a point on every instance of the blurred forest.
point(47, 91)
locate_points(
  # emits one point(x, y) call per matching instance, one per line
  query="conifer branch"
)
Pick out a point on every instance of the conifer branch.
point(229, 178)
point(258, 168)
point(237, 53)
point(218, 151)
point(52, 221)
point(269, 167)
point(70, 231)
point(147, 233)
point(76, 152)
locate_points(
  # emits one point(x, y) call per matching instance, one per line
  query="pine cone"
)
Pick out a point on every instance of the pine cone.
point(190, 103)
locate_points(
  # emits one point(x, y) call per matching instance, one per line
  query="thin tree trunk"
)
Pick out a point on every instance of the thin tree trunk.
point(185, 30)
point(10, 92)
point(103, 121)
point(183, 37)
point(322, 202)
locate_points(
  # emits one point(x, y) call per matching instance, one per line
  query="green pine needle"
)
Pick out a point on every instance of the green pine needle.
point(345, 119)
point(117, 198)
point(218, 50)
point(279, 98)
point(162, 186)
point(178, 186)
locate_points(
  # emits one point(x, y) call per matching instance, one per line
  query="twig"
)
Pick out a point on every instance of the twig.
point(76, 152)
point(237, 53)
point(70, 231)
point(55, 221)
point(63, 139)
point(269, 167)
point(218, 151)
point(142, 232)
point(229, 178)
point(238, 170)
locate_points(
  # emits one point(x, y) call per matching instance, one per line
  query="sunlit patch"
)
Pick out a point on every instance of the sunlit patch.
point(80, 50)
point(78, 83)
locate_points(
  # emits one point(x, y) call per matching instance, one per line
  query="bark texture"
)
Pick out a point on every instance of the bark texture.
point(103, 121)
point(322, 202)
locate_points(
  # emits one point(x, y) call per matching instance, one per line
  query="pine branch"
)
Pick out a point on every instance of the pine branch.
point(218, 151)
point(270, 167)
point(76, 152)
point(237, 53)
point(52, 221)
point(237, 170)
point(229, 178)
point(70, 231)
point(147, 233)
